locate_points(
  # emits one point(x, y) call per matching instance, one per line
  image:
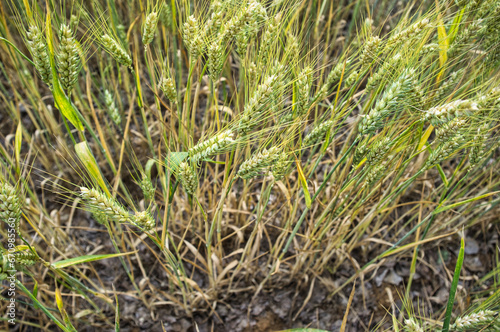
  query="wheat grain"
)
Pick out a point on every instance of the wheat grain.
point(116, 51)
point(442, 114)
point(475, 320)
point(411, 325)
point(144, 220)
point(257, 163)
point(38, 49)
point(217, 144)
point(188, 177)
point(149, 28)
point(10, 205)
point(107, 205)
point(369, 51)
point(167, 85)
point(68, 59)
point(388, 102)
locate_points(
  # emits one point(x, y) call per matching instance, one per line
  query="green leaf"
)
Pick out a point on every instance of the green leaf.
point(425, 137)
point(17, 50)
point(174, 159)
point(85, 259)
point(35, 289)
point(87, 158)
point(42, 307)
point(453, 289)
point(455, 25)
point(117, 313)
point(444, 44)
point(451, 206)
point(443, 176)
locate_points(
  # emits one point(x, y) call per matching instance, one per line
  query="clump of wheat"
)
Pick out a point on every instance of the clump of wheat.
point(144, 220)
point(442, 114)
point(257, 104)
point(476, 152)
point(427, 49)
point(282, 165)
point(258, 162)
point(374, 174)
point(384, 71)
point(489, 100)
point(212, 146)
point(26, 258)
point(167, 85)
point(389, 101)
point(38, 49)
point(113, 112)
point(378, 151)
point(116, 51)
point(215, 21)
point(165, 16)
point(10, 205)
point(250, 29)
point(304, 81)
point(444, 150)
point(474, 321)
point(192, 37)
point(150, 27)
point(407, 33)
point(292, 49)
point(411, 325)
point(188, 177)
point(215, 59)
point(333, 76)
point(106, 205)
point(253, 11)
point(252, 73)
point(361, 151)
point(352, 78)
point(268, 39)
point(68, 59)
point(147, 187)
point(318, 133)
point(369, 51)
point(448, 130)
point(463, 38)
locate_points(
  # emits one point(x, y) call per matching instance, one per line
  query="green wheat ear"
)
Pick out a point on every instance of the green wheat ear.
point(258, 163)
point(35, 41)
point(411, 325)
point(188, 177)
point(10, 205)
point(113, 111)
point(150, 27)
point(68, 59)
point(144, 220)
point(117, 52)
point(217, 144)
point(108, 206)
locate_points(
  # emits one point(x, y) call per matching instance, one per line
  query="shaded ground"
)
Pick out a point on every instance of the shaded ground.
point(299, 303)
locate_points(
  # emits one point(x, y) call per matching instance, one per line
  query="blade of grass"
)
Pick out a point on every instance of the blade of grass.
point(453, 289)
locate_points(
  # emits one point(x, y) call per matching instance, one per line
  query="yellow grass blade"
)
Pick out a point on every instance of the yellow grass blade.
point(87, 158)
point(85, 259)
point(425, 137)
point(303, 182)
point(443, 45)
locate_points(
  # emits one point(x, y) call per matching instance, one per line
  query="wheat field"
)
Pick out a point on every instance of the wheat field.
point(247, 165)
